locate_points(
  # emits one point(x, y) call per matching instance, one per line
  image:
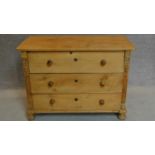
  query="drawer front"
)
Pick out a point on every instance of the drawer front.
point(76, 62)
point(76, 83)
point(77, 103)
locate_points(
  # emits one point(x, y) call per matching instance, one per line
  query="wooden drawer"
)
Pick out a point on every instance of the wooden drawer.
point(76, 83)
point(77, 103)
point(76, 62)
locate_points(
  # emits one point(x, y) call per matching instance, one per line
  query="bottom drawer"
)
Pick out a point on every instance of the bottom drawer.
point(77, 103)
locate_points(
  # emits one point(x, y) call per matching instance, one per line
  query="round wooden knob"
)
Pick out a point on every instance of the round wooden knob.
point(52, 101)
point(49, 63)
point(101, 102)
point(50, 84)
point(103, 62)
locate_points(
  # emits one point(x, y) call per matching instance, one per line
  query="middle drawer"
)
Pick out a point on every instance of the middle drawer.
point(76, 83)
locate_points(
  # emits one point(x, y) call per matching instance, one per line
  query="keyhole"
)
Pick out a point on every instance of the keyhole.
point(75, 59)
point(75, 81)
point(76, 99)
point(49, 63)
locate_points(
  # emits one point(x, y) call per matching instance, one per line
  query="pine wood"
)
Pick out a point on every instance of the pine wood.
point(30, 114)
point(77, 103)
point(123, 110)
point(76, 83)
point(76, 73)
point(76, 43)
point(86, 62)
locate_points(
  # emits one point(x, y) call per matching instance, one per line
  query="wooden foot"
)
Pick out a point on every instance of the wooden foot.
point(122, 115)
point(30, 116)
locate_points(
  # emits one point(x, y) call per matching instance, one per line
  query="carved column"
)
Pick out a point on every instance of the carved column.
point(123, 111)
point(30, 114)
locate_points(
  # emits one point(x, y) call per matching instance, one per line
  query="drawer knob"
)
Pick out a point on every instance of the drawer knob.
point(49, 63)
point(103, 62)
point(101, 102)
point(52, 101)
point(50, 84)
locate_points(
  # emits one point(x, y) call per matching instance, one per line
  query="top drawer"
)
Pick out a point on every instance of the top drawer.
point(76, 62)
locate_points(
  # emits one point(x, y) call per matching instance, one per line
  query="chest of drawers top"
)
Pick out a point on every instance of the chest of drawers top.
point(76, 43)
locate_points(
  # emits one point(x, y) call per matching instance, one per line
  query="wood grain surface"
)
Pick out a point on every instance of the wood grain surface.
point(76, 43)
point(76, 83)
point(76, 62)
point(77, 103)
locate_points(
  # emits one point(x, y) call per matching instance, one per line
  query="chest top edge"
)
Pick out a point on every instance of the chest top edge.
point(76, 43)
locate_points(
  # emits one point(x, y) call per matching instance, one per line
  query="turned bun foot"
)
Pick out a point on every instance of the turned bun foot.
point(122, 116)
point(30, 116)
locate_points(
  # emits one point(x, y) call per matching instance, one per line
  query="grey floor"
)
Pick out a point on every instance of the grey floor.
point(140, 104)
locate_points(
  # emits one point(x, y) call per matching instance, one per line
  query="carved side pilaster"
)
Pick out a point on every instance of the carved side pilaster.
point(122, 114)
point(24, 57)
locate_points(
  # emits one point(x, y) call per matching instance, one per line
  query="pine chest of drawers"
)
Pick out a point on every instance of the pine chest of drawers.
point(76, 73)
